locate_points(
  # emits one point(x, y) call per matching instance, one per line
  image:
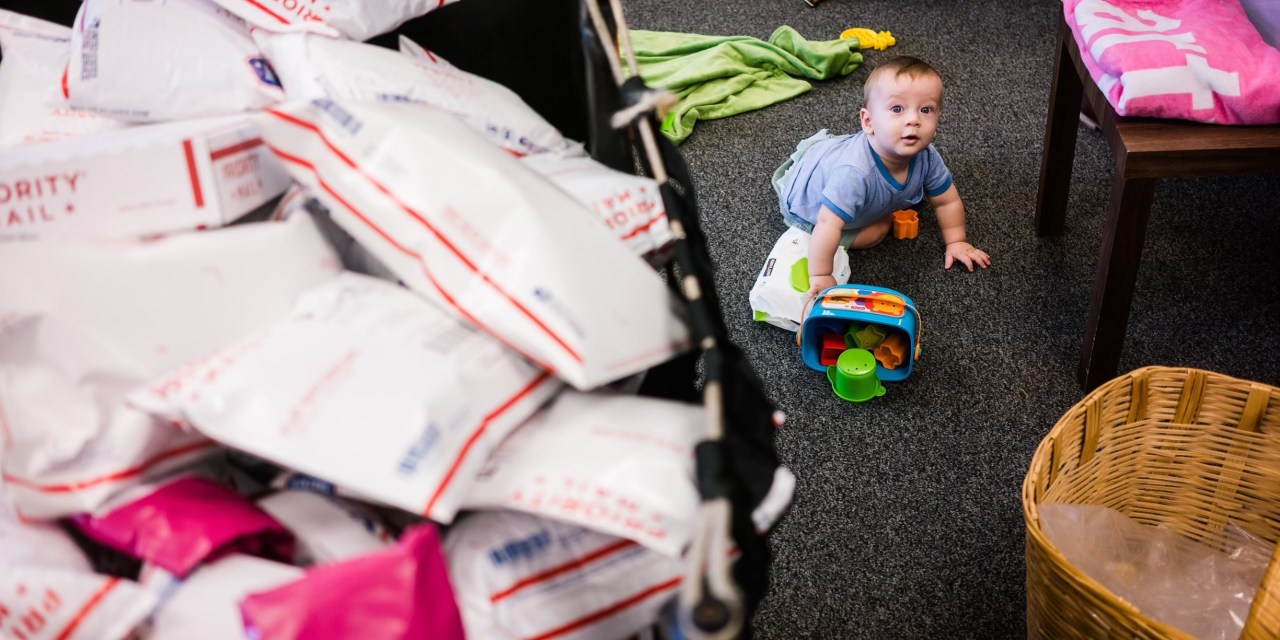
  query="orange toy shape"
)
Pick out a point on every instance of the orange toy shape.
point(893, 351)
point(906, 224)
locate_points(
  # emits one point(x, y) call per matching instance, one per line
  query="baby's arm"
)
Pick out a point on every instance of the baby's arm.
point(950, 212)
point(822, 250)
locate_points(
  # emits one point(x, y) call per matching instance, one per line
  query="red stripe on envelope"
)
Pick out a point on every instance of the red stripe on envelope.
point(288, 157)
point(125, 474)
point(551, 573)
point(312, 127)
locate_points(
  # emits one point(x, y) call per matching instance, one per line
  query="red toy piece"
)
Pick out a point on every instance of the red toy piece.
point(832, 346)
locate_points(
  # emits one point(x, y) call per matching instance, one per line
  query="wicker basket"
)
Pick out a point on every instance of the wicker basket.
point(1190, 449)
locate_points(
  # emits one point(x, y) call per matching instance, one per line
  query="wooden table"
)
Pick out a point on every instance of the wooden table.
point(1144, 149)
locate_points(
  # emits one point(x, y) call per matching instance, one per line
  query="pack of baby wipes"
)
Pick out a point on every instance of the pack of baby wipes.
point(778, 295)
point(83, 323)
point(471, 228)
point(146, 61)
point(365, 385)
point(313, 67)
point(32, 106)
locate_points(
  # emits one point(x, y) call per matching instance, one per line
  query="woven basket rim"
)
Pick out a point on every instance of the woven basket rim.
point(1043, 456)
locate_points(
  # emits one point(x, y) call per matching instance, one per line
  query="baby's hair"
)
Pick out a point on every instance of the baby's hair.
point(902, 65)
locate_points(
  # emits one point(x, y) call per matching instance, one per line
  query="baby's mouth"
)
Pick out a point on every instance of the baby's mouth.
point(910, 139)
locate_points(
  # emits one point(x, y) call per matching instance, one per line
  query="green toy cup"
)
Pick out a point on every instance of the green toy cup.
point(853, 376)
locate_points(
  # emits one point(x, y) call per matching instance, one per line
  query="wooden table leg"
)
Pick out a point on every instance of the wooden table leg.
point(1059, 140)
point(1127, 217)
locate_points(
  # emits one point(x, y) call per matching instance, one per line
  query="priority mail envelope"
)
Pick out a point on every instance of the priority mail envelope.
point(139, 181)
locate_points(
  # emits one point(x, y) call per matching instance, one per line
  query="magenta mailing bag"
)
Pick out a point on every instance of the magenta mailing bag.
point(83, 323)
point(401, 592)
point(367, 386)
point(185, 522)
point(518, 576)
point(471, 228)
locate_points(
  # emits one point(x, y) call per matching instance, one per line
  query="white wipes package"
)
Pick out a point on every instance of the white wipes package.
point(313, 67)
point(32, 107)
point(365, 385)
point(139, 181)
point(325, 528)
point(84, 323)
point(619, 464)
point(778, 296)
point(352, 19)
point(47, 589)
point(630, 206)
point(520, 576)
point(146, 61)
point(489, 240)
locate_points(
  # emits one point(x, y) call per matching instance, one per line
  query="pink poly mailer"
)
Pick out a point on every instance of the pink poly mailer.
point(85, 323)
point(1197, 60)
point(469, 227)
point(402, 592)
point(185, 522)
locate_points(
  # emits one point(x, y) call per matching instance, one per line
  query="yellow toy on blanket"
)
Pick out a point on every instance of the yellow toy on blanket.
point(869, 39)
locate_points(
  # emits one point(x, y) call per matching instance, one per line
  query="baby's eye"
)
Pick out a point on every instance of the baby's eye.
point(926, 110)
point(896, 109)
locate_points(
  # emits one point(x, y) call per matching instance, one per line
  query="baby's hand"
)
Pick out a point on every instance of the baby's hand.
point(966, 254)
point(818, 283)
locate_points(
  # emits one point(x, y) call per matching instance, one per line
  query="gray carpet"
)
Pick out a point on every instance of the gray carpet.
point(907, 522)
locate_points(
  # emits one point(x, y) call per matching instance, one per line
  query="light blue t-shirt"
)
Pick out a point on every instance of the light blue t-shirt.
point(844, 173)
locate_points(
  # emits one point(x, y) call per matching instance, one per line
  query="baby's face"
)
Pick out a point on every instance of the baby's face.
point(901, 117)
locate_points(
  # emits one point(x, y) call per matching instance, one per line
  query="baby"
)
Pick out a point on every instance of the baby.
point(842, 189)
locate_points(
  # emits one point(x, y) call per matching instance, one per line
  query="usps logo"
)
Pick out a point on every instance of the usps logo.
point(265, 73)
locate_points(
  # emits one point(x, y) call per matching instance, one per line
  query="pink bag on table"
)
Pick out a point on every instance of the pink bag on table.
point(186, 522)
point(403, 592)
point(1189, 59)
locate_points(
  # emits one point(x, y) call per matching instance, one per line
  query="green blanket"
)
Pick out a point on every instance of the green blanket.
point(718, 76)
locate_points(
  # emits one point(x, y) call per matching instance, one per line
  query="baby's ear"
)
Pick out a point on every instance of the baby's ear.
point(865, 117)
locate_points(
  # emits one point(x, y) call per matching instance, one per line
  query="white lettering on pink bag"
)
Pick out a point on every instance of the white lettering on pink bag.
point(1191, 59)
